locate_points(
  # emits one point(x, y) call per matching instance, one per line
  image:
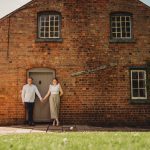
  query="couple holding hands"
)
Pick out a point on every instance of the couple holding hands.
point(28, 98)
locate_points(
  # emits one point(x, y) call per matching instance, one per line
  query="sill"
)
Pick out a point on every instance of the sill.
point(122, 41)
point(139, 101)
point(49, 40)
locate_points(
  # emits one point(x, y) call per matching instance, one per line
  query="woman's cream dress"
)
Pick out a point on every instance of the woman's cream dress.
point(54, 101)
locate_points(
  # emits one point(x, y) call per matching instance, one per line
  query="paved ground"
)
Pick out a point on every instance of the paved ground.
point(17, 129)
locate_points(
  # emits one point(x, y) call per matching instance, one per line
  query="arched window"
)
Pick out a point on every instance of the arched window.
point(121, 25)
point(49, 25)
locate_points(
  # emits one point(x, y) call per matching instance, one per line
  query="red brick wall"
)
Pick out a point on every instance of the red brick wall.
point(100, 98)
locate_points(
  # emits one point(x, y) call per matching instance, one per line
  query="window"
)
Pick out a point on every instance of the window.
point(49, 25)
point(121, 26)
point(138, 84)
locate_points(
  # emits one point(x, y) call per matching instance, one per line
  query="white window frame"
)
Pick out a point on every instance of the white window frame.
point(145, 78)
point(54, 26)
point(116, 27)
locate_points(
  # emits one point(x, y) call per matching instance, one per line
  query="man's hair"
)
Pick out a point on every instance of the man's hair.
point(30, 78)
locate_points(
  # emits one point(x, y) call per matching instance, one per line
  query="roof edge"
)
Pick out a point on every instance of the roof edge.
point(22, 7)
point(144, 4)
point(16, 10)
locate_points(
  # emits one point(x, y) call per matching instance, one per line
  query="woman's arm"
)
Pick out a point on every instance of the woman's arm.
point(38, 93)
point(61, 91)
point(47, 95)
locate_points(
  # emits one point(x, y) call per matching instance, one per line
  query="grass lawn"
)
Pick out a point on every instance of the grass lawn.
point(77, 141)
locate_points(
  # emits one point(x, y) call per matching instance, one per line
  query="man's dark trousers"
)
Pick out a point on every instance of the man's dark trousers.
point(29, 107)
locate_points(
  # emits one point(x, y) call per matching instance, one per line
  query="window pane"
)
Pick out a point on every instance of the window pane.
point(128, 35)
point(128, 18)
point(118, 30)
point(123, 19)
point(142, 84)
point(56, 23)
point(113, 18)
point(42, 23)
point(42, 18)
point(135, 83)
point(52, 23)
point(56, 29)
point(142, 93)
point(134, 75)
point(141, 75)
point(51, 29)
point(47, 34)
point(123, 24)
point(42, 34)
point(47, 29)
point(128, 24)
point(52, 18)
point(113, 24)
point(123, 30)
point(128, 30)
point(42, 29)
point(118, 34)
point(47, 24)
point(123, 34)
point(51, 34)
point(118, 24)
point(113, 29)
point(114, 35)
point(56, 17)
point(56, 34)
point(118, 18)
point(135, 93)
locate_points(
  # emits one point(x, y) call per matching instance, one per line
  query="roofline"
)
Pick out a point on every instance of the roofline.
point(22, 7)
point(13, 12)
point(144, 4)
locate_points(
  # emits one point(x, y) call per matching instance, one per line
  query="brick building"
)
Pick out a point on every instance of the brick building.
point(98, 49)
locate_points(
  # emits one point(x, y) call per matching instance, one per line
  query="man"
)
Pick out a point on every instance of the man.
point(28, 97)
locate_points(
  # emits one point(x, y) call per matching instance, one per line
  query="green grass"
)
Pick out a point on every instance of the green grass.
point(77, 141)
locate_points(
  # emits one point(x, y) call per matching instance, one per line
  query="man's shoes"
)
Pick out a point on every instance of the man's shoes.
point(31, 124)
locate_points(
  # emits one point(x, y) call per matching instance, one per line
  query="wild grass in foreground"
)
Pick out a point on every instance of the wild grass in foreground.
point(77, 141)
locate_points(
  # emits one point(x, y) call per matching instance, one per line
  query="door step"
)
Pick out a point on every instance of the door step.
point(63, 128)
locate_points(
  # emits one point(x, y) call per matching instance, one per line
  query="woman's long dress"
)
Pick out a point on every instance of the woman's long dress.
point(54, 101)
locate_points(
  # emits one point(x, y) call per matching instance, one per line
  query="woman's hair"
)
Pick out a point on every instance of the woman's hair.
point(55, 79)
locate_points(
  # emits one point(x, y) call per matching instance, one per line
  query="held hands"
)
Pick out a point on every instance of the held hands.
point(42, 100)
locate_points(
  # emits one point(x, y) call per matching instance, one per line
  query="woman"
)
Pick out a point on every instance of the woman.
point(55, 91)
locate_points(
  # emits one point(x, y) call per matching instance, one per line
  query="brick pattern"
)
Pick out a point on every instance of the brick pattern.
point(98, 98)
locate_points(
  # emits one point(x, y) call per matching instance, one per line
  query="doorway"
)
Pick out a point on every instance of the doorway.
point(42, 77)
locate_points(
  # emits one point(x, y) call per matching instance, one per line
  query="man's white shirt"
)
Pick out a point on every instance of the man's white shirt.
point(28, 93)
